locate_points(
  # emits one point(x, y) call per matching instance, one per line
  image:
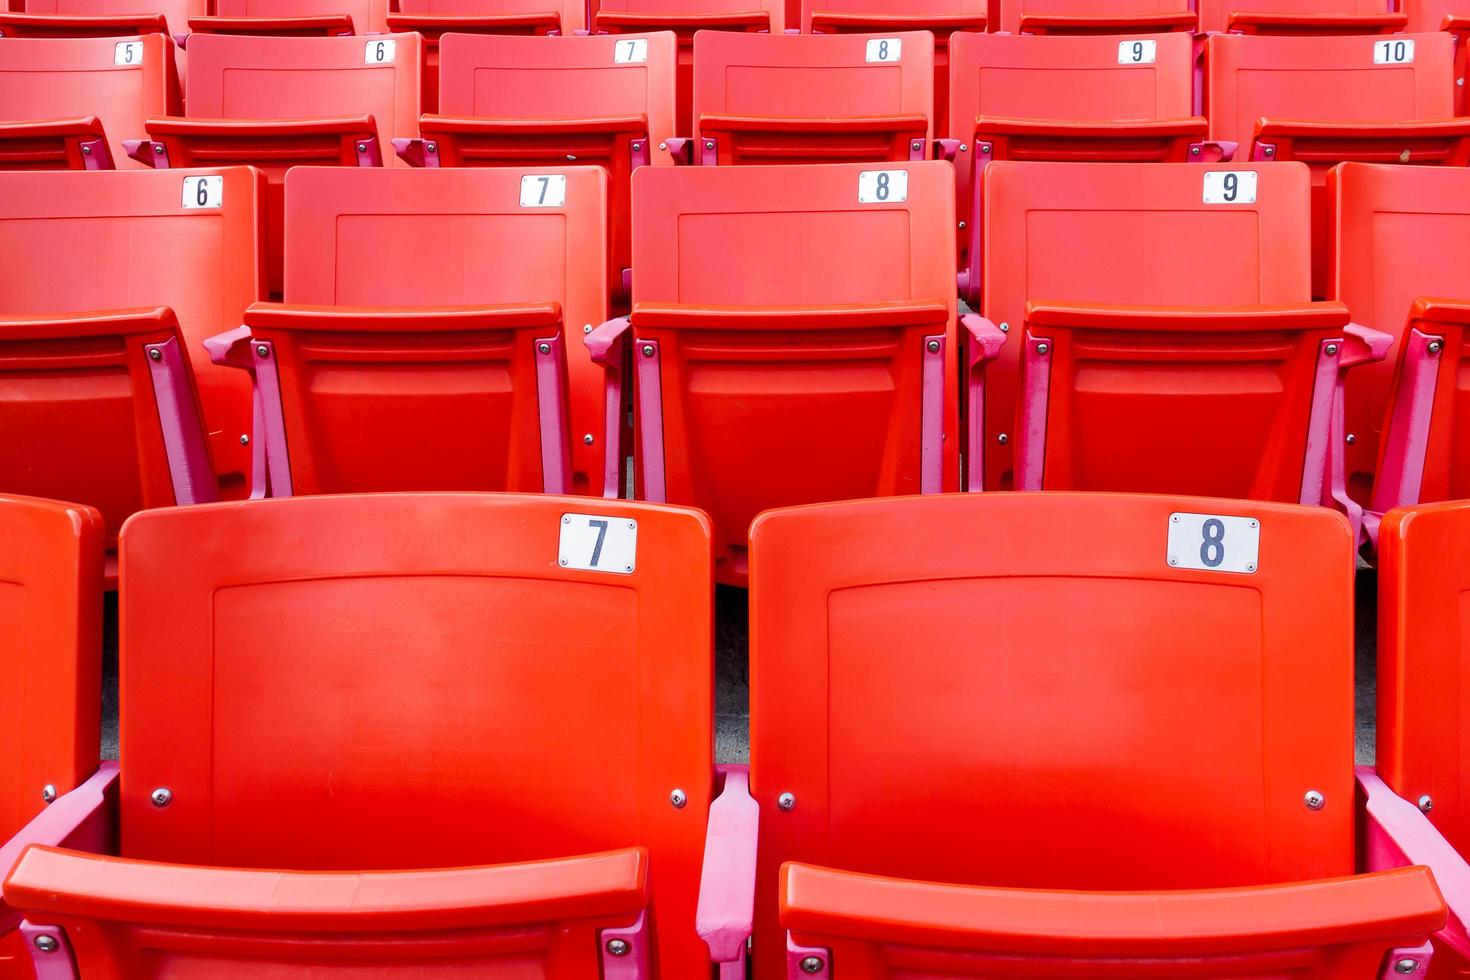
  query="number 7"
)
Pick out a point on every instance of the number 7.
point(545, 183)
point(601, 536)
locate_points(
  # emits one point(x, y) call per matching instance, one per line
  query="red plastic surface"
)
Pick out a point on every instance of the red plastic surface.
point(792, 325)
point(379, 683)
point(98, 18)
point(74, 242)
point(366, 16)
point(1300, 17)
point(1092, 17)
point(62, 78)
point(319, 25)
point(805, 98)
point(1052, 232)
point(451, 236)
point(513, 101)
point(1397, 233)
point(1119, 724)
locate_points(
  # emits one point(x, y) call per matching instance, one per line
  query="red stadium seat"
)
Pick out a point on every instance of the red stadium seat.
point(98, 18)
point(1092, 17)
point(942, 18)
point(534, 101)
point(1023, 97)
point(51, 658)
point(1301, 17)
point(792, 336)
point(1002, 735)
point(382, 723)
point(280, 102)
point(77, 245)
point(1326, 100)
point(294, 18)
point(685, 18)
point(68, 103)
point(1210, 372)
point(812, 98)
point(424, 340)
point(1400, 234)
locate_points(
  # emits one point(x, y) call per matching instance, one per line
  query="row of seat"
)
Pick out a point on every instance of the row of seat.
point(471, 735)
point(794, 336)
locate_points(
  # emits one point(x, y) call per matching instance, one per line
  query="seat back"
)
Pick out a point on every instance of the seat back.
point(1051, 232)
point(176, 13)
point(50, 652)
point(1429, 15)
point(1422, 749)
point(420, 682)
point(436, 237)
point(1091, 17)
point(571, 15)
point(1160, 733)
point(1398, 233)
point(802, 328)
point(1289, 16)
point(813, 98)
point(120, 81)
point(73, 242)
point(368, 16)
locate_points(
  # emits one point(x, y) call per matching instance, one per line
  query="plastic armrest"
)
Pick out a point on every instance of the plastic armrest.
point(940, 24)
point(1327, 315)
point(537, 21)
point(81, 819)
point(1388, 904)
point(1400, 835)
point(835, 317)
point(681, 149)
point(983, 341)
point(663, 21)
point(1364, 345)
point(359, 130)
point(74, 25)
point(322, 25)
point(1253, 22)
point(293, 316)
point(608, 346)
point(726, 912)
point(1457, 24)
point(77, 144)
point(233, 348)
point(1109, 24)
point(51, 881)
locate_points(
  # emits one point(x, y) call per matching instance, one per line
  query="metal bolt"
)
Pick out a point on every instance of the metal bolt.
point(984, 147)
point(1173, 560)
point(48, 792)
point(631, 525)
point(933, 346)
point(1253, 523)
point(1351, 438)
point(647, 350)
point(362, 148)
point(86, 151)
point(1406, 966)
point(586, 328)
point(431, 147)
point(263, 351)
point(663, 146)
point(571, 156)
point(1002, 438)
point(812, 964)
point(566, 520)
point(1042, 349)
point(1314, 800)
point(709, 144)
point(1331, 349)
point(1270, 151)
point(1005, 327)
point(678, 799)
point(1250, 567)
point(544, 348)
point(637, 147)
point(587, 438)
point(245, 440)
point(158, 148)
point(786, 801)
point(1435, 347)
point(1174, 519)
point(155, 354)
point(963, 226)
point(563, 561)
point(1194, 151)
point(963, 148)
point(1426, 803)
point(618, 947)
point(162, 796)
point(46, 944)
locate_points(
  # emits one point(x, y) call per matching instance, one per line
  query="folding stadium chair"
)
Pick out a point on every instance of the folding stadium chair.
point(792, 336)
point(423, 342)
point(1022, 97)
point(294, 18)
point(51, 655)
point(99, 398)
point(942, 18)
point(1416, 799)
point(812, 98)
point(1399, 235)
point(1141, 766)
point(280, 102)
point(67, 103)
point(98, 18)
point(1301, 17)
point(532, 101)
point(1326, 100)
point(522, 756)
point(1144, 360)
point(1092, 17)
point(685, 18)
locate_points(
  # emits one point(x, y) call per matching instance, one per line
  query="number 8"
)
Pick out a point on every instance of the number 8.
point(882, 187)
point(1212, 550)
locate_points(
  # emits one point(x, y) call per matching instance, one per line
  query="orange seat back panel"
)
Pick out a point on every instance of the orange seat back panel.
point(368, 16)
point(1089, 16)
point(175, 12)
point(1220, 15)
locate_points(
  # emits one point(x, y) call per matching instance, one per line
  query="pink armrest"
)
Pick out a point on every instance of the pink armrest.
point(608, 345)
point(727, 884)
point(983, 341)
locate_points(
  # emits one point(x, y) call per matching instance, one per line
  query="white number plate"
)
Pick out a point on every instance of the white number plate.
point(379, 51)
point(543, 190)
point(885, 49)
point(128, 53)
point(204, 192)
point(1214, 542)
point(1230, 187)
point(598, 543)
point(1137, 52)
point(1394, 51)
point(631, 51)
point(883, 186)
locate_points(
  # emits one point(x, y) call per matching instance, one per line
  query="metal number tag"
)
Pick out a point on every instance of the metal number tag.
point(543, 191)
point(204, 192)
point(127, 53)
point(1214, 543)
point(885, 49)
point(631, 51)
point(1230, 187)
point(379, 51)
point(1394, 51)
point(596, 543)
point(1138, 52)
point(883, 186)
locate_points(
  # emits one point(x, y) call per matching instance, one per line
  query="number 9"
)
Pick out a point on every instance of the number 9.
point(1232, 186)
point(1137, 50)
